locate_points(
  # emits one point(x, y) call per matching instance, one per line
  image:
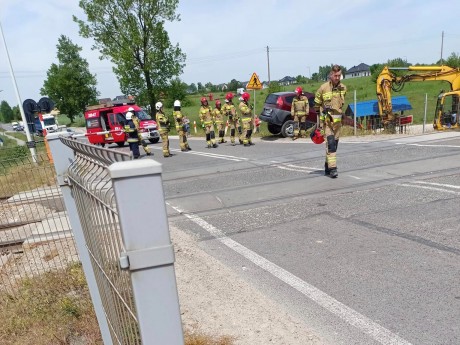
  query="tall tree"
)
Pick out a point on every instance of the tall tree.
point(131, 34)
point(6, 112)
point(69, 83)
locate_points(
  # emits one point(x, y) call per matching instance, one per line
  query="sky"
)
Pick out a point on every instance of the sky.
point(226, 40)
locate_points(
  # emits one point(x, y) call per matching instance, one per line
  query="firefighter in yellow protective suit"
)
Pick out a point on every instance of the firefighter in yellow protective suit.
point(218, 115)
point(180, 127)
point(329, 101)
point(141, 141)
point(207, 123)
point(131, 130)
point(233, 119)
point(299, 112)
point(246, 119)
point(163, 127)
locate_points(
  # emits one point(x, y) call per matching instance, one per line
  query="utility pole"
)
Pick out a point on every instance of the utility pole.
point(442, 43)
point(30, 142)
point(268, 64)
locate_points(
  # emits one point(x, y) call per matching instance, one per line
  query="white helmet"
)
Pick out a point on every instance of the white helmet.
point(129, 115)
point(177, 103)
point(158, 105)
point(130, 109)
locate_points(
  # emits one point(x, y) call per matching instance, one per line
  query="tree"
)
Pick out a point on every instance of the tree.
point(376, 69)
point(234, 85)
point(192, 88)
point(6, 112)
point(69, 83)
point(17, 113)
point(453, 60)
point(177, 91)
point(200, 87)
point(301, 79)
point(132, 35)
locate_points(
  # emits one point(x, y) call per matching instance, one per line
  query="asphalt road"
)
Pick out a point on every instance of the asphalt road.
point(371, 257)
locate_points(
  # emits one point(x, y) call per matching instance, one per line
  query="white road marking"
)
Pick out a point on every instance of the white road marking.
point(355, 177)
point(211, 155)
point(429, 145)
point(438, 184)
point(292, 167)
point(430, 188)
point(349, 315)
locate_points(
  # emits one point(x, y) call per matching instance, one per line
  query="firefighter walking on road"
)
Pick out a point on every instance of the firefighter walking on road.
point(218, 115)
point(233, 120)
point(299, 112)
point(207, 123)
point(141, 141)
point(246, 119)
point(180, 127)
point(133, 139)
point(163, 123)
point(329, 101)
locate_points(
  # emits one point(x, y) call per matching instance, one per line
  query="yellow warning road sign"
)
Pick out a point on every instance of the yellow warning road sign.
point(254, 83)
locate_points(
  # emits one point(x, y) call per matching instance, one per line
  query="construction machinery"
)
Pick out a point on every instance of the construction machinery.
point(447, 107)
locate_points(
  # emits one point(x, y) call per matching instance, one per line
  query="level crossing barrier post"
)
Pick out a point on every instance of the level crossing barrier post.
point(148, 252)
point(62, 157)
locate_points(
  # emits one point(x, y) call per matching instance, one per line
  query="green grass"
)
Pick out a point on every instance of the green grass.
point(55, 308)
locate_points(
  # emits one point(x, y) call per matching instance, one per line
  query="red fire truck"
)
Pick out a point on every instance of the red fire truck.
point(105, 122)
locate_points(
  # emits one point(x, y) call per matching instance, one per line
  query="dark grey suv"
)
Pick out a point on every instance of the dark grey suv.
point(277, 113)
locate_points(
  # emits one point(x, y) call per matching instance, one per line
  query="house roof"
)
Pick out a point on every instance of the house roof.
point(287, 78)
point(367, 108)
point(362, 67)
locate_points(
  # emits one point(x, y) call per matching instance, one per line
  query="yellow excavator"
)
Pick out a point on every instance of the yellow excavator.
point(447, 111)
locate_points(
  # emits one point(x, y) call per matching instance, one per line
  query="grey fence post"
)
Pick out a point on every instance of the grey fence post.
point(149, 254)
point(63, 156)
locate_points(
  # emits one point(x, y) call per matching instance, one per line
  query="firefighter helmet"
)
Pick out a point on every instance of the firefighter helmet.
point(177, 103)
point(204, 100)
point(158, 105)
point(298, 91)
point(130, 109)
point(316, 136)
point(229, 96)
point(218, 104)
point(245, 96)
point(129, 115)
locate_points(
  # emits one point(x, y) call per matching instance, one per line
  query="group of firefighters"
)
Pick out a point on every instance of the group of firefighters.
point(329, 101)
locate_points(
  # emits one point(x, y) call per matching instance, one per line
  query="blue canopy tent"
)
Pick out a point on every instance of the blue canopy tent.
point(369, 108)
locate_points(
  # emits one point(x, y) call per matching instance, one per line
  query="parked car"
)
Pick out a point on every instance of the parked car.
point(277, 113)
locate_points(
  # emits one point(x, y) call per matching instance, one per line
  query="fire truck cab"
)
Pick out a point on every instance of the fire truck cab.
point(105, 122)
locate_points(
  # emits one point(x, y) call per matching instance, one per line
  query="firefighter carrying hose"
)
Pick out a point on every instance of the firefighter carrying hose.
point(133, 138)
point(233, 120)
point(207, 123)
point(246, 119)
point(299, 112)
point(218, 115)
point(329, 100)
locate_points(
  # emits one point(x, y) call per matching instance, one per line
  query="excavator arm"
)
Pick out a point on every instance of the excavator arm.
point(388, 81)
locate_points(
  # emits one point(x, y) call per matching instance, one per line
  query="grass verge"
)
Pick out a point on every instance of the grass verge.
point(55, 308)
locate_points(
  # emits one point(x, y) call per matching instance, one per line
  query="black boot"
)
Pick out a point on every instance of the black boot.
point(334, 173)
point(327, 171)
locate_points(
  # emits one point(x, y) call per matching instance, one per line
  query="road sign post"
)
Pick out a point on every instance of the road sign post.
point(254, 84)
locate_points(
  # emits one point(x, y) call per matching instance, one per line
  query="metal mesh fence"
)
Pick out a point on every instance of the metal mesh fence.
point(94, 196)
point(35, 235)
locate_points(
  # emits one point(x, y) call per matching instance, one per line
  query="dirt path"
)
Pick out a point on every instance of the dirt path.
point(219, 302)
